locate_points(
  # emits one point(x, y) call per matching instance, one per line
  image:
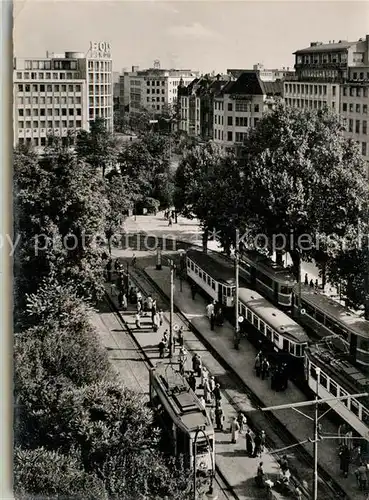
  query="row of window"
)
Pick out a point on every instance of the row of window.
point(323, 320)
point(100, 101)
point(333, 388)
point(100, 77)
point(358, 129)
point(49, 124)
point(47, 76)
point(100, 89)
point(51, 64)
point(306, 103)
point(219, 119)
point(34, 87)
point(100, 65)
point(355, 91)
point(49, 100)
point(303, 88)
point(322, 58)
point(357, 108)
point(50, 112)
point(154, 83)
point(100, 112)
point(152, 99)
point(240, 136)
point(157, 91)
point(205, 277)
point(360, 76)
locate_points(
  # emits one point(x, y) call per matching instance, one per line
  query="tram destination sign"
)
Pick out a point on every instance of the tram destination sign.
point(100, 50)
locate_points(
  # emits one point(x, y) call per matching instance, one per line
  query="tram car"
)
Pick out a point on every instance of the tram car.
point(213, 275)
point(267, 277)
point(338, 377)
point(273, 330)
point(189, 431)
point(327, 317)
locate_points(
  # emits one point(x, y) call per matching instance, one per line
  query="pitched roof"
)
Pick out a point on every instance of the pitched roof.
point(326, 47)
point(273, 87)
point(248, 82)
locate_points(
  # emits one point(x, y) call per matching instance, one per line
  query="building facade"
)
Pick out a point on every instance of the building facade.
point(152, 89)
point(334, 75)
point(266, 75)
point(61, 92)
point(239, 105)
point(196, 105)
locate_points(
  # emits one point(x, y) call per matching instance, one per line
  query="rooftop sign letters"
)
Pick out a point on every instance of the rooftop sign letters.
point(241, 97)
point(100, 50)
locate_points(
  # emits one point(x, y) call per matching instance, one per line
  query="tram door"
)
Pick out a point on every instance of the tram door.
point(221, 294)
point(353, 345)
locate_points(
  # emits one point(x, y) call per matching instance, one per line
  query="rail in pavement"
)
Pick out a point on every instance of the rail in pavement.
point(238, 469)
point(242, 362)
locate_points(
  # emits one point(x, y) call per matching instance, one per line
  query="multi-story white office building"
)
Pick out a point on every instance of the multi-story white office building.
point(335, 75)
point(61, 92)
point(240, 104)
point(153, 89)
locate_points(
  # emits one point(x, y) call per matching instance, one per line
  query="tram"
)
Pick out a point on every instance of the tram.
point(189, 431)
point(267, 277)
point(327, 317)
point(213, 275)
point(338, 377)
point(273, 328)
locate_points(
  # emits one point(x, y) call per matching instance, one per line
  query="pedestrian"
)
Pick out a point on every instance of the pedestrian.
point(257, 443)
point(235, 427)
point(116, 265)
point(219, 417)
point(306, 279)
point(207, 392)
point(161, 348)
point(242, 421)
point(134, 260)
point(316, 284)
point(165, 337)
point(139, 306)
point(180, 339)
point(249, 443)
point(149, 303)
point(312, 283)
point(161, 317)
point(155, 323)
point(197, 366)
point(182, 356)
point(209, 310)
point(264, 369)
point(345, 460)
point(202, 402)
point(170, 220)
point(217, 394)
point(258, 364)
point(153, 307)
point(124, 302)
point(204, 375)
point(212, 415)
point(139, 297)
point(212, 322)
point(298, 493)
point(260, 476)
point(193, 290)
point(120, 298)
point(284, 464)
point(192, 381)
point(361, 476)
point(212, 385)
point(138, 320)
point(262, 442)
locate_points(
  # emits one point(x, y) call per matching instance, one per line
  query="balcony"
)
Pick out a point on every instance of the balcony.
point(321, 65)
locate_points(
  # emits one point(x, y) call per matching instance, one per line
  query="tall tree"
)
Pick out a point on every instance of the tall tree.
point(303, 180)
point(98, 146)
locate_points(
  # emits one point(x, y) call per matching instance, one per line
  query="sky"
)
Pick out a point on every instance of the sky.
point(202, 35)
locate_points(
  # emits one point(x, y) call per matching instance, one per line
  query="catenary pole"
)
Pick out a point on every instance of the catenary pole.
point(237, 286)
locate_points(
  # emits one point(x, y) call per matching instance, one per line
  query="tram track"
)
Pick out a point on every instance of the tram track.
point(329, 489)
point(223, 486)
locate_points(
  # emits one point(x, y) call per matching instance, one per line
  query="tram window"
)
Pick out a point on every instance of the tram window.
point(319, 317)
point(275, 338)
point(333, 388)
point(313, 371)
point(249, 315)
point(355, 407)
point(208, 280)
point(292, 348)
point(308, 308)
point(365, 415)
point(200, 274)
point(188, 263)
point(202, 448)
point(262, 327)
point(213, 284)
point(285, 290)
point(298, 350)
point(363, 344)
point(344, 393)
point(255, 321)
point(196, 270)
point(285, 345)
point(269, 333)
point(192, 266)
point(323, 380)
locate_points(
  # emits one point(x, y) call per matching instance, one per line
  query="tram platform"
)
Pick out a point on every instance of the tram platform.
point(242, 362)
point(238, 469)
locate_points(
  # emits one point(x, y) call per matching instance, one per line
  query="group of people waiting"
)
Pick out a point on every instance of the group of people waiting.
point(215, 314)
point(278, 372)
point(171, 216)
point(311, 283)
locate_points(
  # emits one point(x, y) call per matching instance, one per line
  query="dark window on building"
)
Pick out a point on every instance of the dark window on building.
point(230, 121)
point(229, 106)
point(256, 108)
point(363, 148)
point(42, 88)
point(344, 106)
point(230, 136)
point(357, 126)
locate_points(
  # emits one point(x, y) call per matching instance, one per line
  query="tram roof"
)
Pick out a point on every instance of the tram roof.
point(182, 399)
point(267, 265)
point(278, 320)
point(338, 366)
point(213, 265)
point(335, 310)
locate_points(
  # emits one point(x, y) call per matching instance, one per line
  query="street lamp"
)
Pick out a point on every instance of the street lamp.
point(181, 252)
point(237, 327)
